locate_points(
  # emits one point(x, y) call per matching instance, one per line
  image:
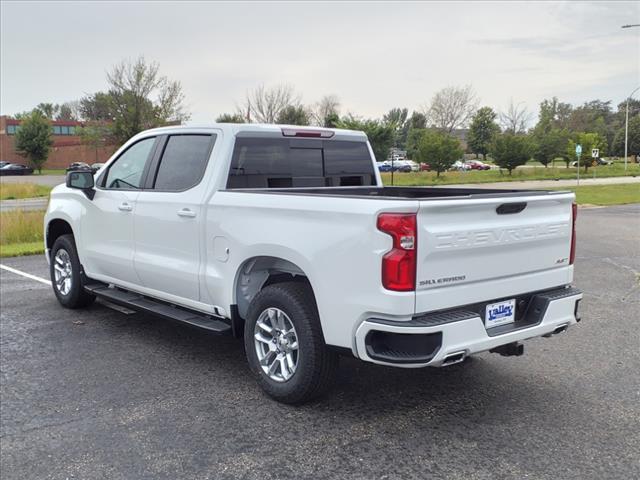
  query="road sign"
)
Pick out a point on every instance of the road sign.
point(595, 152)
point(578, 149)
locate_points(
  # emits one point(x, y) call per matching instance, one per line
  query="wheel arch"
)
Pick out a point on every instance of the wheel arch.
point(260, 271)
point(57, 227)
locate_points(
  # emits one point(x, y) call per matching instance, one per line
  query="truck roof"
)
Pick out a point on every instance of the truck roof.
point(235, 128)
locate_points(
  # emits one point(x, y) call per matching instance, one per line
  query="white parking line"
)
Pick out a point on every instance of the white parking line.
point(26, 275)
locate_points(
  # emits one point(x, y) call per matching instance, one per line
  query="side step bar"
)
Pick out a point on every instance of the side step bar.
point(144, 304)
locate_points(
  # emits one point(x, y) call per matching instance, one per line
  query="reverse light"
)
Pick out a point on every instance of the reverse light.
point(293, 132)
point(399, 263)
point(574, 214)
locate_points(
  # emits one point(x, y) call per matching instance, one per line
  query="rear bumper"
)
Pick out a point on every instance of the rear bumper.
point(447, 337)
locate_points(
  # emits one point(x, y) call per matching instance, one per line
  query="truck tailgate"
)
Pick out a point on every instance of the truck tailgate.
point(490, 241)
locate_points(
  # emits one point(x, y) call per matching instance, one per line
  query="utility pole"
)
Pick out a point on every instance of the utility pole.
point(626, 130)
point(578, 153)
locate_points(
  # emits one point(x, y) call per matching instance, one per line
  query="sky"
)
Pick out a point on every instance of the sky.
point(373, 55)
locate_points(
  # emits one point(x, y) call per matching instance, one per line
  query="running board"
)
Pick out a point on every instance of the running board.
point(144, 304)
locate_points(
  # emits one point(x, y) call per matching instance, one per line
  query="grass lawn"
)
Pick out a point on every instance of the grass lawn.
point(10, 191)
point(51, 171)
point(606, 194)
point(494, 175)
point(21, 233)
point(19, 249)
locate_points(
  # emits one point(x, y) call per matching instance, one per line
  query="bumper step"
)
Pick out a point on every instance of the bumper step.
point(140, 303)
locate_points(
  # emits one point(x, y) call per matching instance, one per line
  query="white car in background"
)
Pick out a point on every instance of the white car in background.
point(460, 166)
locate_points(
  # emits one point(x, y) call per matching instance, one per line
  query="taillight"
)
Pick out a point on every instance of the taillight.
point(399, 263)
point(574, 214)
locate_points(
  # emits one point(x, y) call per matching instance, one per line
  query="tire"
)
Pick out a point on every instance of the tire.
point(68, 285)
point(315, 365)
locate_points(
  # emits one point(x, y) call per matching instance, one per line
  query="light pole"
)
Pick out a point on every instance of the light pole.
point(626, 129)
point(626, 122)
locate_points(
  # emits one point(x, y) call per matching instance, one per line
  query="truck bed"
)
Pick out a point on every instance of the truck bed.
point(401, 193)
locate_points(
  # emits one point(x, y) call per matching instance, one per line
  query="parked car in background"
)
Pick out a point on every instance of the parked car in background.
point(403, 166)
point(460, 166)
point(15, 169)
point(415, 166)
point(395, 166)
point(425, 167)
point(3, 163)
point(96, 166)
point(78, 166)
point(601, 161)
point(478, 165)
point(594, 162)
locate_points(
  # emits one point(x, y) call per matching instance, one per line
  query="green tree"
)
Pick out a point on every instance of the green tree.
point(482, 130)
point(555, 112)
point(548, 138)
point(325, 112)
point(97, 107)
point(633, 139)
point(95, 134)
point(230, 118)
point(331, 120)
point(48, 110)
point(140, 98)
point(510, 150)
point(293, 115)
point(380, 134)
point(33, 139)
point(397, 117)
point(549, 144)
point(588, 141)
point(66, 112)
point(595, 116)
point(440, 150)
point(413, 140)
point(417, 120)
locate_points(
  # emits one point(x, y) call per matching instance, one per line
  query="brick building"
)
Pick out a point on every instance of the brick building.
point(67, 146)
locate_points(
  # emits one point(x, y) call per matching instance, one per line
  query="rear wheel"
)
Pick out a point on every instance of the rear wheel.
point(66, 274)
point(284, 344)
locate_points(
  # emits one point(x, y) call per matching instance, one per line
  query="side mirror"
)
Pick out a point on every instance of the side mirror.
point(82, 180)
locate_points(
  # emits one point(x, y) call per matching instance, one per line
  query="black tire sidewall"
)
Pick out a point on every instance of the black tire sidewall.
point(301, 315)
point(77, 296)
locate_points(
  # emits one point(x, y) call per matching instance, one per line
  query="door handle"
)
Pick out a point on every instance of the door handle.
point(186, 212)
point(125, 207)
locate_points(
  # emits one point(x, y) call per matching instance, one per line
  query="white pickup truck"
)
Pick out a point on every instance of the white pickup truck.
point(286, 236)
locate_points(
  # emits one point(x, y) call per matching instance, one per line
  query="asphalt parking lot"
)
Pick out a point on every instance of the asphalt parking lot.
point(100, 394)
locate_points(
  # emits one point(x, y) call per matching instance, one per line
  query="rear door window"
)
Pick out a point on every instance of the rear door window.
point(281, 163)
point(183, 162)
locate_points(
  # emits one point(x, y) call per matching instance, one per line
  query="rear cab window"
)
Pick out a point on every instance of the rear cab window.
point(270, 162)
point(183, 162)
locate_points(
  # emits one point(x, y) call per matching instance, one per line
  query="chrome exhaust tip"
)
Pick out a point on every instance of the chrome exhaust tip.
point(453, 358)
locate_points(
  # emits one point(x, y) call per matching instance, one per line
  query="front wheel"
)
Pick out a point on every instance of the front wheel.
point(66, 274)
point(284, 344)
